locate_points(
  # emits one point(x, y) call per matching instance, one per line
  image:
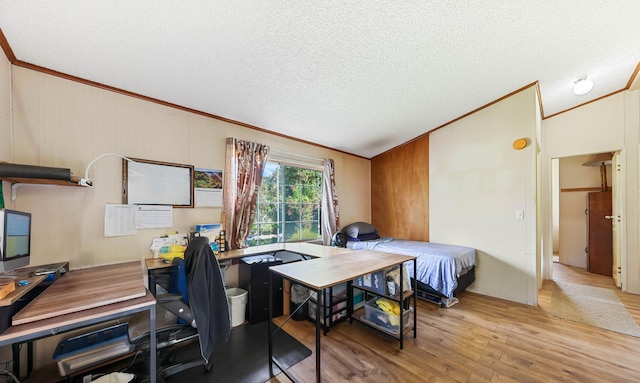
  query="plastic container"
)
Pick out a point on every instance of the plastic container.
point(384, 320)
point(299, 295)
point(339, 292)
point(238, 304)
point(339, 312)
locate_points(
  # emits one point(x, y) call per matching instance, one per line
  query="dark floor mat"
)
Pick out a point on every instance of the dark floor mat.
point(244, 357)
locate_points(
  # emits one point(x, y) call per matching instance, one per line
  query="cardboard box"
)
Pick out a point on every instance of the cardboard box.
point(375, 281)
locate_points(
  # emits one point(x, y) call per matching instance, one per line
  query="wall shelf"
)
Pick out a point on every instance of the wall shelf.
point(18, 174)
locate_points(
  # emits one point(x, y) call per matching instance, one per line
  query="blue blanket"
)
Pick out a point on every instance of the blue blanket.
point(438, 265)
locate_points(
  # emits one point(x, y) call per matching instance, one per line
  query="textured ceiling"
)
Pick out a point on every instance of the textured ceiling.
point(359, 76)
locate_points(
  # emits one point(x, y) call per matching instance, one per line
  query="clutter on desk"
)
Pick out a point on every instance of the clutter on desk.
point(209, 230)
point(216, 234)
point(169, 246)
point(222, 242)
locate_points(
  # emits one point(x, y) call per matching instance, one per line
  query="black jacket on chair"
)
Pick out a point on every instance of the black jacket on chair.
point(207, 295)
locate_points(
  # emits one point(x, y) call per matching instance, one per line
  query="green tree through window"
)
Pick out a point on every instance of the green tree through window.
point(288, 205)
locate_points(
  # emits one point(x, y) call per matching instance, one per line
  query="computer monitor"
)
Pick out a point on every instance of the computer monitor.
point(15, 239)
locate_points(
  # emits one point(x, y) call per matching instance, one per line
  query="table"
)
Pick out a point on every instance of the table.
point(83, 298)
point(322, 273)
point(23, 294)
point(156, 267)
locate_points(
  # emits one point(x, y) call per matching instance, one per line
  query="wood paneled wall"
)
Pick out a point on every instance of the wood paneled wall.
point(400, 191)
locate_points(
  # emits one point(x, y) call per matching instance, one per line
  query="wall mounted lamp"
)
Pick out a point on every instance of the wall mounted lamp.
point(86, 181)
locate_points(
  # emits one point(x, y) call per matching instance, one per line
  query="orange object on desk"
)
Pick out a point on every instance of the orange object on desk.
point(7, 288)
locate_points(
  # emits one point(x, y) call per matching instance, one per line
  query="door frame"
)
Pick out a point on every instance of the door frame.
point(618, 182)
point(619, 226)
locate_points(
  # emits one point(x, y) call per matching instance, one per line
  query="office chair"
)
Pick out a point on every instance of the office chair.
point(198, 298)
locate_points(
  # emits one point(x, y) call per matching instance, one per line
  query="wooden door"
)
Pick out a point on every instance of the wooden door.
point(600, 233)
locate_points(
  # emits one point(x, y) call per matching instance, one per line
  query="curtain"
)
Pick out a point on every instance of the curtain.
point(330, 221)
point(244, 163)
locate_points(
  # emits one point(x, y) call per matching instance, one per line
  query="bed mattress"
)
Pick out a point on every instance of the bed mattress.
point(438, 265)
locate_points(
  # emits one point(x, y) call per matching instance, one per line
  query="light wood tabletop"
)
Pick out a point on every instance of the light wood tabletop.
point(321, 273)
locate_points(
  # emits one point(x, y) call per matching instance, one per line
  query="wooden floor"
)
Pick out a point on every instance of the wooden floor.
point(480, 339)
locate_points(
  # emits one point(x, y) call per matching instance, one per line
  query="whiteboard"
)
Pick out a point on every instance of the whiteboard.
point(148, 182)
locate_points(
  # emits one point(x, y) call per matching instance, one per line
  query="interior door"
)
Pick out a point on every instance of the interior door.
point(616, 201)
point(600, 233)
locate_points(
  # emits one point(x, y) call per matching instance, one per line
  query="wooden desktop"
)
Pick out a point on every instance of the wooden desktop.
point(83, 298)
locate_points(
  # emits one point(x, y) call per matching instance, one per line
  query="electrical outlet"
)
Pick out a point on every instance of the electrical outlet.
point(520, 215)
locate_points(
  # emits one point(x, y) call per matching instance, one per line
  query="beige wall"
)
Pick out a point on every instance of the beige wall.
point(67, 124)
point(5, 108)
point(477, 183)
point(60, 123)
point(607, 125)
point(572, 235)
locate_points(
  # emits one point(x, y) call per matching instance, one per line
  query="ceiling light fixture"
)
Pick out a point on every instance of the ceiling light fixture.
point(582, 86)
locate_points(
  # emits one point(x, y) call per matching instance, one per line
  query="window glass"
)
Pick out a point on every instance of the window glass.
point(288, 205)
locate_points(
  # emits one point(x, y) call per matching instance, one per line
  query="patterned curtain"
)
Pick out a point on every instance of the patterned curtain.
point(244, 163)
point(330, 221)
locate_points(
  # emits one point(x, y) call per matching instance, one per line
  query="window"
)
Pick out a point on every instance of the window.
point(288, 207)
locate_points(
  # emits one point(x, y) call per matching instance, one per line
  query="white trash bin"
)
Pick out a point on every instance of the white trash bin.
point(238, 303)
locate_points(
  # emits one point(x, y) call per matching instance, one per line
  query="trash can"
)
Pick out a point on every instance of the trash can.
point(238, 305)
point(299, 295)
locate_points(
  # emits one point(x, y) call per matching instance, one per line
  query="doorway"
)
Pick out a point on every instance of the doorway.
point(577, 180)
point(573, 179)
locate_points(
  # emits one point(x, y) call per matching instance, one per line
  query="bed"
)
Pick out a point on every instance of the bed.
point(443, 270)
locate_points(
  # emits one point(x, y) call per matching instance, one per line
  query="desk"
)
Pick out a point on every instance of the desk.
point(322, 273)
point(17, 299)
point(23, 294)
point(83, 298)
point(157, 267)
